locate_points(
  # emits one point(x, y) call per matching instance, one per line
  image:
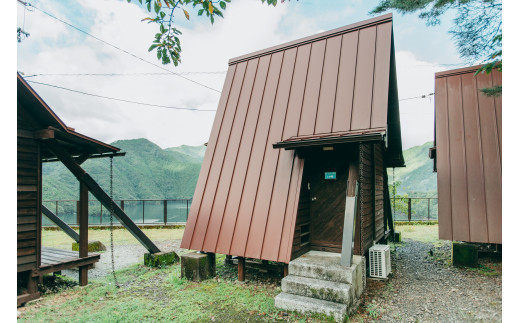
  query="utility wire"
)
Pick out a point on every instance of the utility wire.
point(424, 96)
point(119, 74)
point(118, 48)
point(116, 99)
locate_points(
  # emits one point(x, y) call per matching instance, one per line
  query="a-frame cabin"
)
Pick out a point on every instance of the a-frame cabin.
point(297, 126)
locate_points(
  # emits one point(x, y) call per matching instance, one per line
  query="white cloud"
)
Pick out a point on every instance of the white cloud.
point(415, 78)
point(248, 26)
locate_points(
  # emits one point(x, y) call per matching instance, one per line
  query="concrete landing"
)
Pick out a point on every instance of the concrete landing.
point(318, 283)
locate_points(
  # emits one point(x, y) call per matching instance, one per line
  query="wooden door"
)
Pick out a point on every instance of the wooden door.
point(328, 175)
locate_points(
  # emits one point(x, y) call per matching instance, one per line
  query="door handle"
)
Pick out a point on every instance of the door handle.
point(313, 198)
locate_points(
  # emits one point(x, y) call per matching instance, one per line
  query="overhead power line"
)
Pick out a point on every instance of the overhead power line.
point(118, 48)
point(424, 96)
point(120, 74)
point(117, 99)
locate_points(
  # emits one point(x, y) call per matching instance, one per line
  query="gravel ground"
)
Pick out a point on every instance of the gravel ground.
point(425, 288)
point(124, 256)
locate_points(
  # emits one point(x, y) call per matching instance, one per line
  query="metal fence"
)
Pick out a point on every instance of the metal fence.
point(415, 208)
point(140, 211)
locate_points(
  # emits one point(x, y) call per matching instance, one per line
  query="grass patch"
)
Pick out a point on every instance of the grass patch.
point(58, 239)
point(157, 295)
point(422, 233)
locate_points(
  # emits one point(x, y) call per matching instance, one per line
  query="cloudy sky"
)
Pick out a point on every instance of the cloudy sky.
point(55, 48)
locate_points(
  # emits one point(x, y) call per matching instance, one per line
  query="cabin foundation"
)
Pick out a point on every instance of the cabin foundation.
point(197, 266)
point(464, 254)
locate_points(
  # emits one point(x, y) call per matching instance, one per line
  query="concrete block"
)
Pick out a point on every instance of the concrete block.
point(319, 289)
point(359, 282)
point(197, 266)
point(321, 265)
point(307, 305)
point(160, 259)
point(93, 246)
point(464, 254)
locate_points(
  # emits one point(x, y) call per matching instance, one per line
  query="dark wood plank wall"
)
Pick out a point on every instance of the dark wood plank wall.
point(379, 192)
point(366, 180)
point(301, 242)
point(28, 195)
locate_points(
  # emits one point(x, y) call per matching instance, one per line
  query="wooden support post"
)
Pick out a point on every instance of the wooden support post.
point(83, 232)
point(228, 260)
point(241, 269)
point(409, 209)
point(285, 270)
point(59, 222)
point(165, 211)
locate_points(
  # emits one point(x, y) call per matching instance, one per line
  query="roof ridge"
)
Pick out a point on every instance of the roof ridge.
point(313, 38)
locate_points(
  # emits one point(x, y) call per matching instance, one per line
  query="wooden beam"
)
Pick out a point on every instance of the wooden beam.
point(82, 158)
point(241, 269)
point(44, 134)
point(59, 222)
point(83, 231)
point(101, 195)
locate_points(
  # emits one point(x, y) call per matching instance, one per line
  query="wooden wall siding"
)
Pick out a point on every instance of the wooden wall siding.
point(28, 196)
point(366, 199)
point(379, 192)
point(469, 157)
point(246, 200)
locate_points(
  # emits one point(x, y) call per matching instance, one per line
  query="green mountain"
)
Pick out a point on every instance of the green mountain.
point(146, 172)
point(150, 172)
point(417, 178)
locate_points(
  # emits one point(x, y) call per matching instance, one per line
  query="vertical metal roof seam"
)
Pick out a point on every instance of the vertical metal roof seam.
point(321, 82)
point(236, 158)
point(290, 89)
point(337, 81)
point(295, 212)
point(250, 153)
point(373, 79)
point(285, 212)
point(354, 87)
point(449, 154)
point(496, 124)
point(262, 165)
point(211, 160)
point(475, 82)
point(465, 164)
point(248, 160)
point(277, 159)
point(304, 88)
point(483, 159)
point(216, 144)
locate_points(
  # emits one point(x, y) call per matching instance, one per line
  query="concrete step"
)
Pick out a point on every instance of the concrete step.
point(324, 266)
point(319, 289)
point(308, 305)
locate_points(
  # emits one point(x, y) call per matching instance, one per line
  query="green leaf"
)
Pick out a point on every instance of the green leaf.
point(152, 47)
point(157, 6)
point(222, 5)
point(201, 11)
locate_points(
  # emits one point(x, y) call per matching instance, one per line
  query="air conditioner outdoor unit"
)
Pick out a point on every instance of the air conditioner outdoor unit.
point(379, 258)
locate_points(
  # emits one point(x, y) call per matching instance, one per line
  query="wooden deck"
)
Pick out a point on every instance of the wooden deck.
point(58, 259)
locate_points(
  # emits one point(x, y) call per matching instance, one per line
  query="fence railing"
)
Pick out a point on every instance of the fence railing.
point(167, 211)
point(415, 208)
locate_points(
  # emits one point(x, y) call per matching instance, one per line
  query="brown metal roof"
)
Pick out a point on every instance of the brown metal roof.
point(337, 83)
point(76, 143)
point(468, 135)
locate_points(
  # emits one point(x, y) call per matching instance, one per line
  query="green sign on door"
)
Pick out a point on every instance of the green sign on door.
point(330, 175)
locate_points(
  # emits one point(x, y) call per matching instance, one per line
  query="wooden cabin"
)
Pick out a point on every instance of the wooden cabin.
point(297, 126)
point(467, 156)
point(36, 122)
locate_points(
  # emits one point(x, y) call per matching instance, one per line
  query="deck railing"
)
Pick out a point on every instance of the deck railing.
point(169, 211)
point(415, 208)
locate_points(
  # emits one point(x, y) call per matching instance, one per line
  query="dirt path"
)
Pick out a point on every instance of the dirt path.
point(423, 288)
